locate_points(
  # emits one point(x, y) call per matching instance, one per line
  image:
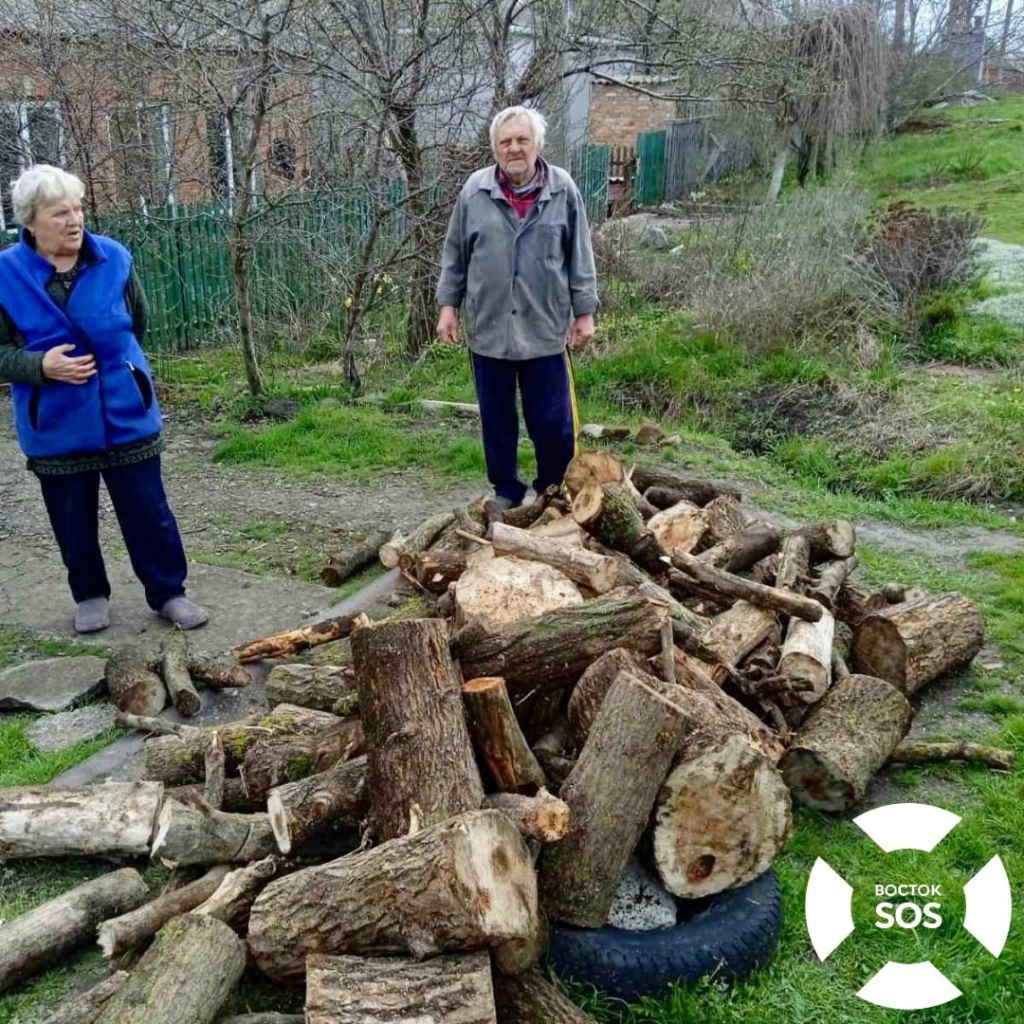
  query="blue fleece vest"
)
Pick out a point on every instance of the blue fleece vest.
point(117, 405)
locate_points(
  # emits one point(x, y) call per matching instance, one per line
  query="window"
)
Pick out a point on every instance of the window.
point(30, 133)
point(142, 145)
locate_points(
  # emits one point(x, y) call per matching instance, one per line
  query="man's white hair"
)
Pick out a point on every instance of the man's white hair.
point(39, 185)
point(538, 123)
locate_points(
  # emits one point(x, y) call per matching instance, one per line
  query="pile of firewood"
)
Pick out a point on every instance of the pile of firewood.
point(631, 665)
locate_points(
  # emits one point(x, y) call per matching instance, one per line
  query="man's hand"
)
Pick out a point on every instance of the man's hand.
point(582, 332)
point(57, 366)
point(448, 326)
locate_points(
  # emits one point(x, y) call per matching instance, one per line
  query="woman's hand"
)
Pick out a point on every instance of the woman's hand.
point(67, 369)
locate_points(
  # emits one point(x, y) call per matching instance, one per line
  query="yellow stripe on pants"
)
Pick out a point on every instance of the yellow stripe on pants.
point(572, 402)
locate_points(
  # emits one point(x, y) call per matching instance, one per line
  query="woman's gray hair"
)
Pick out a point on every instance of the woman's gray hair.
point(39, 185)
point(538, 123)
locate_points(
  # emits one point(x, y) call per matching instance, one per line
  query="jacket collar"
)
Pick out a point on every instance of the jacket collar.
point(488, 182)
point(41, 268)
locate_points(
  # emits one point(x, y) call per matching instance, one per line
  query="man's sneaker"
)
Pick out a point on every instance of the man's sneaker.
point(183, 613)
point(92, 614)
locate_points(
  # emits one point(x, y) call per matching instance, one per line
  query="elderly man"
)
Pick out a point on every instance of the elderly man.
point(518, 261)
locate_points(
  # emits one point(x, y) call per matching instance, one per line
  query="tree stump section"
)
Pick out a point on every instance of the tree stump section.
point(113, 819)
point(532, 999)
point(174, 662)
point(911, 644)
point(598, 573)
point(185, 977)
point(542, 817)
point(807, 657)
point(419, 751)
point(133, 687)
point(592, 467)
point(504, 590)
point(589, 693)
point(499, 740)
point(364, 990)
point(854, 603)
point(679, 527)
point(845, 739)
point(459, 886)
point(322, 687)
point(608, 513)
point(41, 937)
point(610, 793)
point(187, 835)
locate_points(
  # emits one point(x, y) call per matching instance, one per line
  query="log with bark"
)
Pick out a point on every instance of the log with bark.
point(592, 467)
point(234, 797)
point(339, 568)
point(84, 1007)
point(912, 643)
point(541, 817)
point(598, 573)
point(218, 671)
point(679, 527)
point(112, 819)
point(461, 885)
point(699, 492)
point(734, 633)
point(418, 540)
point(301, 811)
point(231, 902)
point(502, 590)
point(184, 978)
point(832, 540)
point(589, 693)
point(604, 432)
point(608, 513)
point(121, 934)
point(292, 641)
point(724, 516)
point(452, 989)
point(610, 793)
point(831, 577)
point(174, 667)
point(916, 752)
point(42, 936)
point(846, 738)
point(202, 835)
point(794, 563)
point(265, 1018)
point(323, 687)
point(807, 657)
point(854, 603)
point(133, 686)
point(531, 999)
point(755, 541)
point(552, 651)
point(498, 738)
point(433, 570)
point(419, 751)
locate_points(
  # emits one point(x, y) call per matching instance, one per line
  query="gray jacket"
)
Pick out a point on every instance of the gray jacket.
point(519, 283)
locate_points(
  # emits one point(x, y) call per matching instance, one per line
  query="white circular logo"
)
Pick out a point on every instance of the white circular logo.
point(829, 907)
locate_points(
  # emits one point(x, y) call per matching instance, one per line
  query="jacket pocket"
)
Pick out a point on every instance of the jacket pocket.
point(142, 382)
point(33, 406)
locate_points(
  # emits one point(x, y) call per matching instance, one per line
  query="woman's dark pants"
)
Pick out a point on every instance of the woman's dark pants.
point(147, 525)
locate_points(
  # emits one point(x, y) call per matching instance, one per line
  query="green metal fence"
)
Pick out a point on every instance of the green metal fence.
point(649, 184)
point(590, 167)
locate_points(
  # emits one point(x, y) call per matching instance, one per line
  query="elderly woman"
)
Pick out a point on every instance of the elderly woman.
point(72, 316)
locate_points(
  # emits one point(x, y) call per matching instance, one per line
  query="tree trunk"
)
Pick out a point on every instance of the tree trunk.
point(832, 540)
point(733, 634)
point(461, 885)
point(121, 934)
point(339, 568)
point(542, 817)
point(232, 900)
point(361, 990)
point(589, 693)
point(84, 1007)
point(112, 819)
point(854, 603)
point(782, 140)
point(133, 687)
point(419, 540)
point(831, 577)
point(700, 492)
point(174, 661)
point(498, 739)
point(608, 513)
point(678, 527)
point(419, 750)
point(184, 978)
point(433, 570)
point(187, 835)
point(911, 644)
point(755, 541)
point(598, 573)
point(845, 739)
point(291, 641)
point(532, 999)
point(322, 687)
point(610, 794)
point(43, 936)
point(553, 650)
point(807, 657)
point(303, 810)
point(240, 249)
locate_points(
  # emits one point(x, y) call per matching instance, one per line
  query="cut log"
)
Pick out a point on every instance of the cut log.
point(589, 693)
point(592, 467)
point(231, 902)
point(724, 517)
point(854, 603)
point(418, 540)
point(552, 651)
point(84, 1007)
point(301, 811)
point(190, 835)
point(608, 513)
point(794, 563)
point(837, 539)
point(516, 956)
point(323, 687)
point(433, 570)
point(291, 641)
point(112, 819)
point(461, 885)
point(436, 408)
point(522, 517)
point(121, 934)
point(679, 527)
point(133, 687)
point(700, 492)
point(733, 634)
point(852, 731)
point(174, 666)
point(911, 644)
point(728, 585)
point(234, 798)
point(914, 752)
point(610, 794)
point(603, 432)
point(894, 593)
point(766, 571)
point(418, 745)
point(596, 572)
point(541, 817)
point(498, 739)
point(364, 990)
point(755, 541)
point(649, 433)
point(831, 576)
point(178, 760)
point(504, 590)
point(218, 671)
point(184, 978)
point(807, 657)
point(531, 999)
point(339, 568)
point(41, 937)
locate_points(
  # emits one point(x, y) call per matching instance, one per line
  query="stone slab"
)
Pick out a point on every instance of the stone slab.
point(55, 732)
point(51, 684)
point(641, 903)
